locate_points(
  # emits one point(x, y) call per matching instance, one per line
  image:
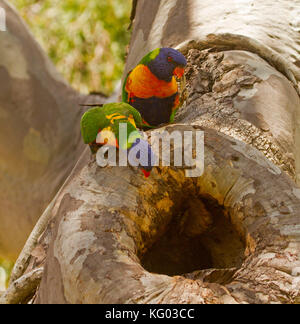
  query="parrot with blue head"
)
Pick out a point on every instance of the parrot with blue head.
point(151, 87)
point(101, 126)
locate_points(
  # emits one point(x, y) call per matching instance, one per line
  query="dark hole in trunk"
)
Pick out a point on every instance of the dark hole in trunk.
point(200, 236)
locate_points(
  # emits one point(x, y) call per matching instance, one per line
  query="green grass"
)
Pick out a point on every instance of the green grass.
point(86, 39)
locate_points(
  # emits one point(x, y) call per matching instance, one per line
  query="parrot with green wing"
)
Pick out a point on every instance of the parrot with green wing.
point(101, 126)
point(151, 86)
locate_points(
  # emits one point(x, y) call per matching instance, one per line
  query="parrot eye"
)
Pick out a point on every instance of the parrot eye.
point(170, 59)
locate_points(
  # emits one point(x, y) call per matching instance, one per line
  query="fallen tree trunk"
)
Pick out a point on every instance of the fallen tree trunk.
point(229, 236)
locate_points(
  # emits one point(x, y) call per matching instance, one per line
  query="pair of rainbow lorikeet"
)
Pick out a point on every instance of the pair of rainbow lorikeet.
point(150, 98)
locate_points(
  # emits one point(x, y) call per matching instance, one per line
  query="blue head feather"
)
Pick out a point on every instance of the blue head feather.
point(144, 155)
point(165, 63)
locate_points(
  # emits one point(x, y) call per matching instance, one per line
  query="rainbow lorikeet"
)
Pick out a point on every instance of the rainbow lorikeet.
point(101, 125)
point(151, 86)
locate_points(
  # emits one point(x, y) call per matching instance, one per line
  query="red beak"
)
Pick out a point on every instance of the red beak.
point(146, 173)
point(179, 72)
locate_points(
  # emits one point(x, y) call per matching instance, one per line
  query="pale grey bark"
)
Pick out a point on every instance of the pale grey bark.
point(115, 237)
point(22, 290)
point(269, 29)
point(40, 138)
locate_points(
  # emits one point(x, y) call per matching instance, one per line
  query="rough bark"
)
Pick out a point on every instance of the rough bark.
point(106, 221)
point(22, 290)
point(229, 236)
point(40, 134)
point(269, 29)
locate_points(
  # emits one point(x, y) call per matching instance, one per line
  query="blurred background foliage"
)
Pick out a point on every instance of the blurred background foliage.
point(5, 269)
point(86, 39)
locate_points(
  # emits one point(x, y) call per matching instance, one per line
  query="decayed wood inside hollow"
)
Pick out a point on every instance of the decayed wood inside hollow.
point(200, 236)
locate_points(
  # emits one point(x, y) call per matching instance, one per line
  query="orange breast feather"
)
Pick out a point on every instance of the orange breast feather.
point(142, 83)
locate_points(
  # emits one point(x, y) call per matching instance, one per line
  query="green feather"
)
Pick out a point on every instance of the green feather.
point(124, 92)
point(150, 56)
point(123, 108)
point(96, 118)
point(172, 118)
point(132, 134)
point(91, 122)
